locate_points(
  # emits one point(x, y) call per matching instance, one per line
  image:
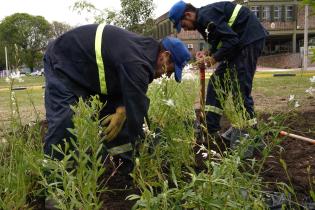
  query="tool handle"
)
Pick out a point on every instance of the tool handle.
point(202, 86)
point(283, 133)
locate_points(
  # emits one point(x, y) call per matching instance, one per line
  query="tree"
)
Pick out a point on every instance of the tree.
point(58, 28)
point(98, 15)
point(29, 34)
point(135, 15)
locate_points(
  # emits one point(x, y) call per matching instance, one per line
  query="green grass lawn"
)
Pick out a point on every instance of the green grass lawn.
point(265, 84)
point(28, 81)
point(270, 86)
point(25, 98)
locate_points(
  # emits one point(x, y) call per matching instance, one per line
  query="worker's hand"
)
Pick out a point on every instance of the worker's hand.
point(210, 61)
point(200, 60)
point(114, 123)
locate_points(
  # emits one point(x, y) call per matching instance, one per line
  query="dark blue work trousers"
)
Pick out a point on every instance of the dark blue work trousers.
point(58, 99)
point(243, 65)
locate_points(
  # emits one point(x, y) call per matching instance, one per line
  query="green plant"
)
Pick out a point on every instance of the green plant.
point(74, 181)
point(17, 180)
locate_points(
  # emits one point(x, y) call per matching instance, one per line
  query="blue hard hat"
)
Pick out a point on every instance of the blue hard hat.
point(180, 54)
point(176, 13)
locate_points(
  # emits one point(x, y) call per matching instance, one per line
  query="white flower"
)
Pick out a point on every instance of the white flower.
point(215, 154)
point(169, 102)
point(188, 76)
point(312, 79)
point(44, 163)
point(202, 148)
point(204, 155)
point(296, 105)
point(310, 90)
point(146, 129)
point(291, 98)
point(7, 79)
point(157, 81)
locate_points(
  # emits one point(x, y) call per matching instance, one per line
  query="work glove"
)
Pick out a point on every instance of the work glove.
point(203, 59)
point(210, 61)
point(114, 123)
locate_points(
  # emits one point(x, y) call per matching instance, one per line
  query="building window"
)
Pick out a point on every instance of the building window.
point(201, 46)
point(289, 12)
point(266, 13)
point(277, 13)
point(256, 11)
point(190, 46)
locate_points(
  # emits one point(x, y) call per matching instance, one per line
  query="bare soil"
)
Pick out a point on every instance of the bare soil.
point(298, 156)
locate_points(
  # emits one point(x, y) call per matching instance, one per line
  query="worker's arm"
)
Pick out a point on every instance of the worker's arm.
point(219, 31)
point(134, 79)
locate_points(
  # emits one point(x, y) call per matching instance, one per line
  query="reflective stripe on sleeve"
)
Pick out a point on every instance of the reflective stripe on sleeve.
point(120, 149)
point(99, 58)
point(214, 109)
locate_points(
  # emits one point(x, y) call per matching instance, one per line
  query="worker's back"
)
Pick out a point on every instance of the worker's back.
point(246, 24)
point(73, 55)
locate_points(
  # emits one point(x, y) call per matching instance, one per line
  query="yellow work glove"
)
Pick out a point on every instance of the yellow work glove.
point(210, 61)
point(114, 123)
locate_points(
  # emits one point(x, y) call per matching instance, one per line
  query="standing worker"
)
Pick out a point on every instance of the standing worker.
point(115, 64)
point(236, 39)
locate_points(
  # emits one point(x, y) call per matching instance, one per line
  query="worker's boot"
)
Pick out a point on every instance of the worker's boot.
point(234, 136)
point(51, 204)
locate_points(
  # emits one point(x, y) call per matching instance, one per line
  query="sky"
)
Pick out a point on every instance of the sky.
point(60, 10)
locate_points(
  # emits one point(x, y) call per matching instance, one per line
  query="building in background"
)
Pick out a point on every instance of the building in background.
point(284, 19)
point(193, 40)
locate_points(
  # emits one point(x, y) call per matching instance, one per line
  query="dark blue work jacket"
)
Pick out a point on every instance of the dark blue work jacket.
point(215, 17)
point(129, 61)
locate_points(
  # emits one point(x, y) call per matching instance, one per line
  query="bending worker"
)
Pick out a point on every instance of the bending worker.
point(116, 64)
point(236, 39)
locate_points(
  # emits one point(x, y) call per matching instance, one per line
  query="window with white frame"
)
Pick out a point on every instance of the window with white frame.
point(266, 13)
point(190, 46)
point(277, 13)
point(289, 12)
point(256, 11)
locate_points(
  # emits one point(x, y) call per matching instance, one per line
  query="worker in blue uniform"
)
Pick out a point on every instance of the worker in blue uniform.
point(236, 39)
point(115, 64)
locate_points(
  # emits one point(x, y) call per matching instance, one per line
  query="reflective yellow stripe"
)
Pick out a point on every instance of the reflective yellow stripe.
point(120, 149)
point(232, 19)
point(214, 109)
point(99, 58)
point(234, 14)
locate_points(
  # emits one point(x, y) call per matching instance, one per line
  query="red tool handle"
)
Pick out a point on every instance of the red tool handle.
point(202, 85)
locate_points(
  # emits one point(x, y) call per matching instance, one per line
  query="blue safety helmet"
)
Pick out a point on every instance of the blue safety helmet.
point(176, 13)
point(180, 54)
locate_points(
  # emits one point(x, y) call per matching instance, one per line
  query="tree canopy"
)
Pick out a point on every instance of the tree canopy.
point(26, 34)
point(135, 15)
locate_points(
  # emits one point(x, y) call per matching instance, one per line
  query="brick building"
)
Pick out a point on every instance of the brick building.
point(284, 19)
point(193, 39)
